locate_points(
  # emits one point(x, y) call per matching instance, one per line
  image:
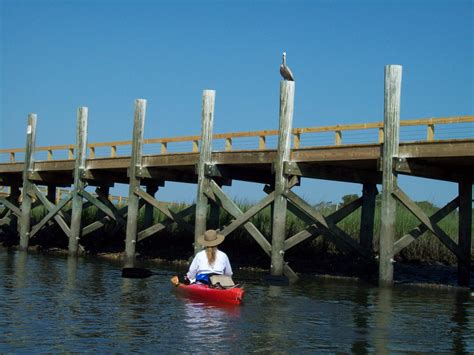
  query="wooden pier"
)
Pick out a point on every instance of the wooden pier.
point(379, 160)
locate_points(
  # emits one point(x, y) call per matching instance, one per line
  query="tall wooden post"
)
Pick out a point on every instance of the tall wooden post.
point(214, 212)
point(135, 165)
point(205, 152)
point(393, 80)
point(25, 221)
point(148, 217)
point(79, 167)
point(465, 232)
point(366, 237)
point(287, 95)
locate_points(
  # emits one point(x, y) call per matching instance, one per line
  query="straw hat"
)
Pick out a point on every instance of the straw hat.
point(210, 238)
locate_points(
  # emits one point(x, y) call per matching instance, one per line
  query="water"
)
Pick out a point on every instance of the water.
point(57, 304)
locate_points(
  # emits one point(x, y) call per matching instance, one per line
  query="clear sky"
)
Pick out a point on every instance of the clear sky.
point(57, 55)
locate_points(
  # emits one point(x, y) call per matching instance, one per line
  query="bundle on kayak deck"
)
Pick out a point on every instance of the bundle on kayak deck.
point(232, 295)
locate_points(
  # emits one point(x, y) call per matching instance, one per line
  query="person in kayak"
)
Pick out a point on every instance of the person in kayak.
point(210, 260)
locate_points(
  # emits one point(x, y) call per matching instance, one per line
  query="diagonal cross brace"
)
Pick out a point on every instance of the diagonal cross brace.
point(99, 204)
point(327, 225)
point(313, 229)
point(10, 206)
point(103, 198)
point(231, 208)
point(176, 217)
point(429, 222)
point(160, 226)
point(49, 206)
point(416, 232)
point(50, 215)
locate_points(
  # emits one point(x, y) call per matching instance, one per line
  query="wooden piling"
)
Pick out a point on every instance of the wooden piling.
point(465, 232)
point(51, 194)
point(369, 193)
point(79, 167)
point(25, 220)
point(207, 120)
point(393, 79)
point(287, 94)
point(134, 184)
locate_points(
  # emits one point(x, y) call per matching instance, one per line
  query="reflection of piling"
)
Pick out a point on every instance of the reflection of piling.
point(393, 80)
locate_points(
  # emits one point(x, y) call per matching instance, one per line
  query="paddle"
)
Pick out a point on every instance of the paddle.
point(139, 273)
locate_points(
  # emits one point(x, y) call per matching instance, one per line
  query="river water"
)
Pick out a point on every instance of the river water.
point(59, 304)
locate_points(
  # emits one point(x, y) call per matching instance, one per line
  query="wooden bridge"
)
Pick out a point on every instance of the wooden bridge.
point(279, 159)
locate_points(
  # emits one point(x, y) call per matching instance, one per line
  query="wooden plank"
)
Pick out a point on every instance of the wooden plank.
point(207, 122)
point(414, 168)
point(176, 217)
point(134, 184)
point(428, 222)
point(416, 232)
point(25, 219)
point(79, 184)
point(36, 228)
point(287, 95)
point(392, 92)
point(465, 232)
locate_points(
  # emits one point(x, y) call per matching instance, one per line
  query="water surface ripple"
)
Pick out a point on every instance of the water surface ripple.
point(58, 304)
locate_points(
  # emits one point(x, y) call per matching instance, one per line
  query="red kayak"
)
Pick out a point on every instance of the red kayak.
point(202, 292)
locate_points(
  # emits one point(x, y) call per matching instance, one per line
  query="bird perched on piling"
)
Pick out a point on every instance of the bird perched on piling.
point(285, 71)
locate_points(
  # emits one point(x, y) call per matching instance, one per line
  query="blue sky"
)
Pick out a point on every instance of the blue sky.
point(58, 55)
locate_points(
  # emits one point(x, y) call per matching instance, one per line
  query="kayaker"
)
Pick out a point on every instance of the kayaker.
point(210, 260)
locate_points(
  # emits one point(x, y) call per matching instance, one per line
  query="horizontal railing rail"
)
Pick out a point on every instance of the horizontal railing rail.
point(227, 140)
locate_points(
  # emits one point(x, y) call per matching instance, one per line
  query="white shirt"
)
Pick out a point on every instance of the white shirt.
point(200, 265)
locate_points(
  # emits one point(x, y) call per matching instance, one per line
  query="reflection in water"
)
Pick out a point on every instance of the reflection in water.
point(383, 314)
point(57, 304)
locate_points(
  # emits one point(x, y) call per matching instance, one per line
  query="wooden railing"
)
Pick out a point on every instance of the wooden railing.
point(262, 136)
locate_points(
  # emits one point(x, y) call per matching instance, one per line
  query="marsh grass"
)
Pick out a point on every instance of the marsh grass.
point(176, 242)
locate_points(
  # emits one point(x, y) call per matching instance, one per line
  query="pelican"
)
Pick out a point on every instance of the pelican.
point(285, 71)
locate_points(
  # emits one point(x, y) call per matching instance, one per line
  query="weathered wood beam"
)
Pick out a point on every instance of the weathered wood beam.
point(410, 167)
point(25, 219)
point(151, 190)
point(392, 92)
point(134, 184)
point(10, 206)
point(205, 156)
point(103, 196)
point(238, 173)
point(287, 96)
point(416, 232)
point(79, 183)
point(428, 222)
point(335, 173)
point(101, 177)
